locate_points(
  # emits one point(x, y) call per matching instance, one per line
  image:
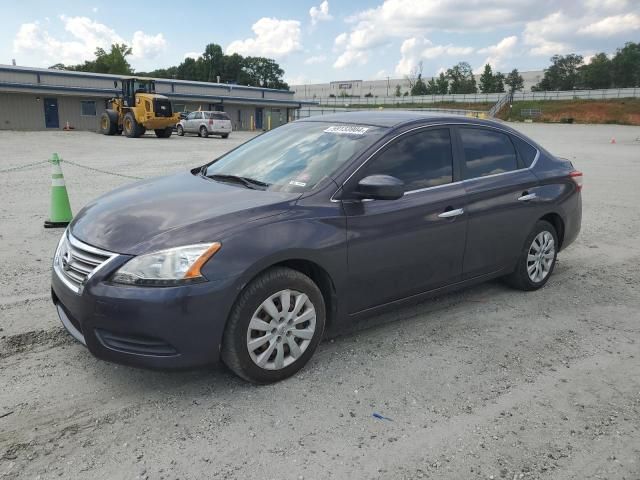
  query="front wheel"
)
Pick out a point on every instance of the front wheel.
point(537, 259)
point(163, 132)
point(132, 129)
point(180, 130)
point(274, 326)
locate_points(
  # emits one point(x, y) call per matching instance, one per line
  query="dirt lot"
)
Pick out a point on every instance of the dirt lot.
point(484, 383)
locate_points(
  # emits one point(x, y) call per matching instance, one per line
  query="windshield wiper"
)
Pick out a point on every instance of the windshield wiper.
point(246, 181)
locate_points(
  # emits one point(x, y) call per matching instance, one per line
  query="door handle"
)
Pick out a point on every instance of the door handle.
point(451, 213)
point(526, 197)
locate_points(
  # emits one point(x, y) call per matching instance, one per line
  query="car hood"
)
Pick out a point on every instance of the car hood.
point(165, 212)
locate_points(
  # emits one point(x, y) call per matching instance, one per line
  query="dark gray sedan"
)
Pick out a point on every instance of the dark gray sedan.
point(250, 258)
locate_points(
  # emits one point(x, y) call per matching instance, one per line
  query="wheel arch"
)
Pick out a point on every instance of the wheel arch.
point(315, 272)
point(558, 223)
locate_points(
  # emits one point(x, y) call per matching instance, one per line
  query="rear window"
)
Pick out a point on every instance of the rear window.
point(217, 116)
point(487, 152)
point(527, 152)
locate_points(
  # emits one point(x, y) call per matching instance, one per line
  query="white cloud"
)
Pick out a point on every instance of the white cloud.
point(273, 38)
point(415, 49)
point(320, 14)
point(147, 46)
point(613, 25)
point(351, 57)
point(315, 59)
point(194, 55)
point(499, 52)
point(84, 36)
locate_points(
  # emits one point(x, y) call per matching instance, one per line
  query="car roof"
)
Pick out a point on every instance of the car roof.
point(378, 118)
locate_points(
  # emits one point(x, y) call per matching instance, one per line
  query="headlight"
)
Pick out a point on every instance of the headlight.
point(175, 266)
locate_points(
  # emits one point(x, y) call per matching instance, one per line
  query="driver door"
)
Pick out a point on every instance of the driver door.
point(404, 247)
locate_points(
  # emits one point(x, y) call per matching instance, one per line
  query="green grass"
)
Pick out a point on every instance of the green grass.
point(624, 111)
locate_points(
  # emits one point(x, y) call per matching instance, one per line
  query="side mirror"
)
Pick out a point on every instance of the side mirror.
point(381, 187)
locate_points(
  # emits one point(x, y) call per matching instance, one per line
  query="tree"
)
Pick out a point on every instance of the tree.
point(398, 93)
point(515, 81)
point(420, 88)
point(498, 83)
point(563, 74)
point(626, 66)
point(597, 73)
point(442, 83)
point(462, 79)
point(114, 62)
point(487, 80)
point(413, 75)
point(264, 72)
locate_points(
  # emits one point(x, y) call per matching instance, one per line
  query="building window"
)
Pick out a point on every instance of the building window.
point(88, 108)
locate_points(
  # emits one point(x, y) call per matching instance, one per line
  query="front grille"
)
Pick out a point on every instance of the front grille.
point(162, 107)
point(137, 345)
point(76, 261)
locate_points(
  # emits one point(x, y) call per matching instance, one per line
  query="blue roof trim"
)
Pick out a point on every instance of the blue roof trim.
point(112, 92)
point(104, 76)
point(246, 99)
point(34, 86)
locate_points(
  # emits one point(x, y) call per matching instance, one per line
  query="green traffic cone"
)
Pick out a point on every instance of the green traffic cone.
point(60, 207)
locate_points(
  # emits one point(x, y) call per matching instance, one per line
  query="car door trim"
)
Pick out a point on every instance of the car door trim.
point(447, 124)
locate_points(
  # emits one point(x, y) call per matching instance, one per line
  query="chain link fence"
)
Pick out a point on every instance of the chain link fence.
point(42, 163)
point(489, 98)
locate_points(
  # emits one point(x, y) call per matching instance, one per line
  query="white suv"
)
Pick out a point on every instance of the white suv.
point(205, 124)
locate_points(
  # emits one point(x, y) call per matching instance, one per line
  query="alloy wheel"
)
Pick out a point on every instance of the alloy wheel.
point(281, 329)
point(541, 255)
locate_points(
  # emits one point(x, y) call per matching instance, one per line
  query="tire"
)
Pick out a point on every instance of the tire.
point(164, 132)
point(225, 135)
point(131, 128)
point(109, 122)
point(249, 307)
point(180, 130)
point(543, 233)
point(203, 132)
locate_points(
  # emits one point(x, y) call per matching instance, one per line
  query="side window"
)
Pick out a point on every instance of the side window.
point(420, 160)
point(191, 116)
point(487, 152)
point(198, 116)
point(527, 152)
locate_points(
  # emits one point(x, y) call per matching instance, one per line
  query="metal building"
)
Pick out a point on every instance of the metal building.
point(39, 99)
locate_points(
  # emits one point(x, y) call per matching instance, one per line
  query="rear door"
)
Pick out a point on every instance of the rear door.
point(399, 248)
point(501, 204)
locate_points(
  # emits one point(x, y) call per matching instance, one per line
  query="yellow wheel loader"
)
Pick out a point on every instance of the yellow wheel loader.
point(138, 109)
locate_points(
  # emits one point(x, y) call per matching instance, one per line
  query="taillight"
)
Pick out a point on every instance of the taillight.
point(576, 176)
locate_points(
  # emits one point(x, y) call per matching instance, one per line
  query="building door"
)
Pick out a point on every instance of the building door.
point(51, 119)
point(258, 118)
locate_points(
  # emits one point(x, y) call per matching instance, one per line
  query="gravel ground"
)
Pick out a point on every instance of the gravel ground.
point(484, 383)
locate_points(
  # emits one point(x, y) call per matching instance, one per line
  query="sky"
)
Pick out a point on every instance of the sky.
point(319, 41)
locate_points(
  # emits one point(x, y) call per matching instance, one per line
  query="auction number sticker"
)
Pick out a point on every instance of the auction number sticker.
point(346, 130)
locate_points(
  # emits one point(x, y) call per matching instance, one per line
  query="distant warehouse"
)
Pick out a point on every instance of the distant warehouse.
point(40, 99)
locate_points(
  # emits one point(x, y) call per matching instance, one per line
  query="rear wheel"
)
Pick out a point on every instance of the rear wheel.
point(225, 135)
point(180, 130)
point(204, 133)
point(109, 122)
point(537, 260)
point(163, 132)
point(131, 128)
point(274, 326)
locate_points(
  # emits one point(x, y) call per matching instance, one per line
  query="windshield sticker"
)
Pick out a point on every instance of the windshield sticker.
point(297, 184)
point(346, 130)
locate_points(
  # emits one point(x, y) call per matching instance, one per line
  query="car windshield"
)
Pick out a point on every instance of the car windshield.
point(296, 156)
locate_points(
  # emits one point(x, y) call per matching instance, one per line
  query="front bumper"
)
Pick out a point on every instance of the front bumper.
point(154, 327)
